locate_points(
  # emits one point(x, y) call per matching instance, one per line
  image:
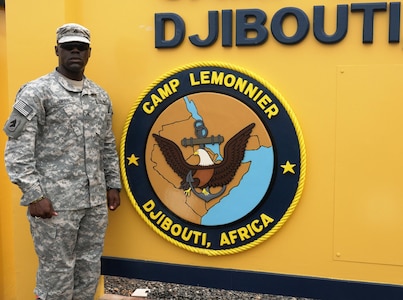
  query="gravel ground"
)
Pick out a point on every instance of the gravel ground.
point(161, 290)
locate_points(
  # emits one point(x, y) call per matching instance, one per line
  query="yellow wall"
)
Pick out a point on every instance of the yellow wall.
point(346, 96)
point(6, 213)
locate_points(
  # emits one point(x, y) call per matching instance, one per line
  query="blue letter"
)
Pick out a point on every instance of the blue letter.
point(226, 28)
point(302, 25)
point(368, 9)
point(179, 25)
point(319, 24)
point(243, 27)
point(212, 30)
point(394, 22)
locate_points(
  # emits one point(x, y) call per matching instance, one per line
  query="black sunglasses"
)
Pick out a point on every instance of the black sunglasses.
point(78, 46)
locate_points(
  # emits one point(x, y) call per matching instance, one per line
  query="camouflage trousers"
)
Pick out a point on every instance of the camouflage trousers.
point(69, 248)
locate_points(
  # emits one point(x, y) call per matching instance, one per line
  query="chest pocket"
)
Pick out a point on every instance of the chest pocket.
point(96, 114)
point(62, 110)
point(63, 118)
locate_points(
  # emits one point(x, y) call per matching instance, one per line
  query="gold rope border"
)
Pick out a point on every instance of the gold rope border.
point(297, 128)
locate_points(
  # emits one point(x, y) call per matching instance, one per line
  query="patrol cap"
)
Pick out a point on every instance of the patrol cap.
point(72, 32)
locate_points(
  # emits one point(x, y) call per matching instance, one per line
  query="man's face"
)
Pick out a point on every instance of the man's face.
point(73, 56)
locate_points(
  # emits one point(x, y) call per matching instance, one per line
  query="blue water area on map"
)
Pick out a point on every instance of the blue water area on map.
point(246, 196)
point(191, 107)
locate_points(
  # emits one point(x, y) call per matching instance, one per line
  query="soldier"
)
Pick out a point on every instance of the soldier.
point(61, 152)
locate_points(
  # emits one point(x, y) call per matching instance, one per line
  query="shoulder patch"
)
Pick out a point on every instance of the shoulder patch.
point(15, 124)
point(23, 108)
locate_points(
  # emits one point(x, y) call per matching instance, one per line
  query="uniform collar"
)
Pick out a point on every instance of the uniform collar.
point(65, 83)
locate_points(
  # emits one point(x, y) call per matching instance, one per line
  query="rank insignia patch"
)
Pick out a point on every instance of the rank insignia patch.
point(213, 158)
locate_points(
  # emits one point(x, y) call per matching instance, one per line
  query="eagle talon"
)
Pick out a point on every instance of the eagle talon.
point(205, 192)
point(188, 192)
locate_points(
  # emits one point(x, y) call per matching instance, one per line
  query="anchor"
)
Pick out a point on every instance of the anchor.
point(201, 140)
point(201, 134)
point(209, 196)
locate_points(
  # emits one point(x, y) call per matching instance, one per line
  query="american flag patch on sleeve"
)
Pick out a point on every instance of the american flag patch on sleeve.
point(23, 108)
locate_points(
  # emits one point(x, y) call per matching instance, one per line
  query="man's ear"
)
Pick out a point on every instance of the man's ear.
point(57, 50)
point(89, 52)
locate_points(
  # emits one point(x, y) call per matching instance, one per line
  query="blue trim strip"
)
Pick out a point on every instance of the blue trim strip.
point(256, 282)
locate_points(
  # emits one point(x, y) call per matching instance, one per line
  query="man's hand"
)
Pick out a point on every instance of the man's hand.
point(42, 209)
point(113, 199)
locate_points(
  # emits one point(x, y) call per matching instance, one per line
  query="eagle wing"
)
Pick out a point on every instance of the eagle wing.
point(234, 152)
point(173, 156)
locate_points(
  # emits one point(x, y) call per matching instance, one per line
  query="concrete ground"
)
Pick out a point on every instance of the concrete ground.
point(119, 297)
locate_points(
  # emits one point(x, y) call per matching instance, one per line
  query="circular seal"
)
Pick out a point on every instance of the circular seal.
point(213, 158)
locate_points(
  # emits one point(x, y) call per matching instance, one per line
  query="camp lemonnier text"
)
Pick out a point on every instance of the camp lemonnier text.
point(226, 79)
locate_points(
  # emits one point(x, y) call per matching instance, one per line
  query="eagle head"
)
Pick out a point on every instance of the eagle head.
point(205, 159)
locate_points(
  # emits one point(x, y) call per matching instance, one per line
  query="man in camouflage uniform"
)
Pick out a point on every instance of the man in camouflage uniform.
point(61, 152)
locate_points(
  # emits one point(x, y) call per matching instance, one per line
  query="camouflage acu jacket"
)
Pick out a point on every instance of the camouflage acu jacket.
point(61, 143)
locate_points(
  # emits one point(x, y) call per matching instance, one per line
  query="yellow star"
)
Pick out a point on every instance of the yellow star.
point(288, 167)
point(133, 160)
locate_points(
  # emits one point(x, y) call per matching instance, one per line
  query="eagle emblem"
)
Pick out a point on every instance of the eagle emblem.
point(207, 173)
